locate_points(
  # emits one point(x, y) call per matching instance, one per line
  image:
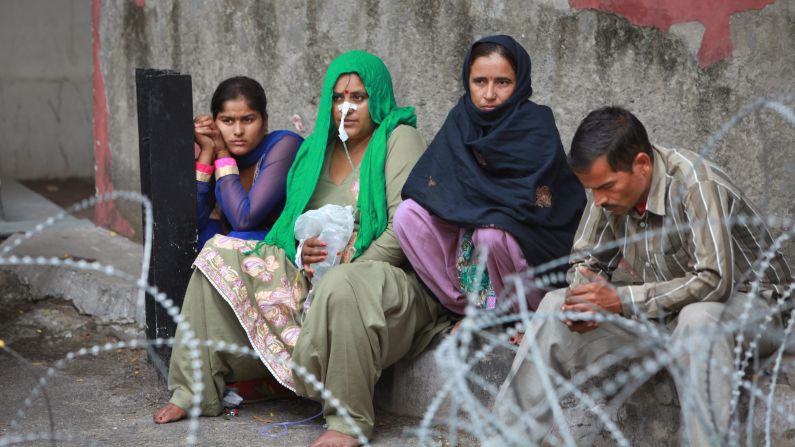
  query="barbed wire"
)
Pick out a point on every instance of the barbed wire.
point(483, 333)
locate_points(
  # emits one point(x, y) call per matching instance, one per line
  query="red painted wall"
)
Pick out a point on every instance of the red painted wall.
point(105, 213)
point(716, 44)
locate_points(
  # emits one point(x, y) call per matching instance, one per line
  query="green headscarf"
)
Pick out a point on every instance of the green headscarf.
point(305, 172)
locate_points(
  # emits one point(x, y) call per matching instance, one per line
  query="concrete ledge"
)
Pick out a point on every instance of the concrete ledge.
point(651, 416)
point(408, 387)
point(781, 432)
point(93, 293)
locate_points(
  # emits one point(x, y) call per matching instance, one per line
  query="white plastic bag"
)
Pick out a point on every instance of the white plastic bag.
point(332, 224)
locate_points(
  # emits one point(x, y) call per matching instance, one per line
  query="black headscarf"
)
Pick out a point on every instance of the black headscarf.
point(503, 168)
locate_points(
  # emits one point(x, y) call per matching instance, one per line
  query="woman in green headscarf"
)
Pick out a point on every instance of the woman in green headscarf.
point(366, 314)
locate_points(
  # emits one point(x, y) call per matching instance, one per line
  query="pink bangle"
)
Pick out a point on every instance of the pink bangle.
point(207, 169)
point(226, 161)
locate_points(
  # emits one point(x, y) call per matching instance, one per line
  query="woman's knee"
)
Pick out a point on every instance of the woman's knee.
point(493, 239)
point(408, 214)
point(336, 289)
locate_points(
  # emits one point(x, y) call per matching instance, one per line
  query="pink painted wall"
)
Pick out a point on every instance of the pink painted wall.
point(105, 213)
point(715, 15)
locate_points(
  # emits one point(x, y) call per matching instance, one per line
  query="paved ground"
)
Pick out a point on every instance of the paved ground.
point(65, 192)
point(109, 398)
point(106, 399)
point(22, 208)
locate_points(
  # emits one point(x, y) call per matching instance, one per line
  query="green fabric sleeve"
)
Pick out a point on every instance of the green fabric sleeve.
point(404, 148)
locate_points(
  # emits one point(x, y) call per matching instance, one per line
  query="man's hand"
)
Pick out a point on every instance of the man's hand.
point(596, 296)
point(313, 251)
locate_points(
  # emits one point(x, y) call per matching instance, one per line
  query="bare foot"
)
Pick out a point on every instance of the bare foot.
point(169, 413)
point(516, 339)
point(333, 438)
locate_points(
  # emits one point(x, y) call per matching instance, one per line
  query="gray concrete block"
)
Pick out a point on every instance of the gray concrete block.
point(649, 417)
point(94, 293)
point(408, 387)
point(782, 432)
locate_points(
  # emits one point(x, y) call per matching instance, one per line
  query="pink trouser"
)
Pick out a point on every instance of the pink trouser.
point(431, 244)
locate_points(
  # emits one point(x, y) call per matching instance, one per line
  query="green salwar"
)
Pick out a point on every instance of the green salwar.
point(364, 316)
point(210, 319)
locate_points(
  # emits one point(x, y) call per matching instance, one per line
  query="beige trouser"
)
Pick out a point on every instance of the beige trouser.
point(700, 359)
point(211, 318)
point(365, 316)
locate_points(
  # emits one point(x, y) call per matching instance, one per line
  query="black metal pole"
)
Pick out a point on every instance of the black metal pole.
point(165, 134)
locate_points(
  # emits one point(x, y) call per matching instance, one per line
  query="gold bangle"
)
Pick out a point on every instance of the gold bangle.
point(226, 170)
point(203, 176)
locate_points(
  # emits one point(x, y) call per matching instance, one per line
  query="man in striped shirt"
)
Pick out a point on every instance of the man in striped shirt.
point(700, 268)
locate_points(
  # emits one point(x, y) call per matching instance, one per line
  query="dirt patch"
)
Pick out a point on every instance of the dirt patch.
point(47, 329)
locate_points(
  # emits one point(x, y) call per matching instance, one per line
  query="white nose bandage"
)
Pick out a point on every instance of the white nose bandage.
point(345, 107)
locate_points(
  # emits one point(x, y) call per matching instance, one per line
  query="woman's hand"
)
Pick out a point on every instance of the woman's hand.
point(313, 251)
point(220, 146)
point(203, 136)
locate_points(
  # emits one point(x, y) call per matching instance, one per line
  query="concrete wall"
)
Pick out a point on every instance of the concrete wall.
point(650, 59)
point(45, 89)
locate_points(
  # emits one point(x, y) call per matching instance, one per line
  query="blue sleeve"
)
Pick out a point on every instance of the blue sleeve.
point(248, 211)
point(205, 202)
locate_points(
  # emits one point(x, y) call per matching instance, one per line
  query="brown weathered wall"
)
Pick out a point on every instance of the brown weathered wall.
point(582, 59)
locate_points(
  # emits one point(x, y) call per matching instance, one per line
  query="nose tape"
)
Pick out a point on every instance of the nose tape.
point(345, 107)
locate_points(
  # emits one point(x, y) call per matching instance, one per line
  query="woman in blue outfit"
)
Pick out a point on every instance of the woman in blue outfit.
point(250, 164)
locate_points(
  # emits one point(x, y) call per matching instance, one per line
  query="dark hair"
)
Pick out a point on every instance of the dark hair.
point(482, 49)
point(611, 131)
point(240, 87)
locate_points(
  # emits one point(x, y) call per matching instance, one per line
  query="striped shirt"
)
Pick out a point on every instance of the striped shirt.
point(700, 239)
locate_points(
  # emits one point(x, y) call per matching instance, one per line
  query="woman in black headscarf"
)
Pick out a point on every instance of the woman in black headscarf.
point(495, 177)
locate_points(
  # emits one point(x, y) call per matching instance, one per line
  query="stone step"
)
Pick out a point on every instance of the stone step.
point(93, 293)
point(408, 387)
point(651, 416)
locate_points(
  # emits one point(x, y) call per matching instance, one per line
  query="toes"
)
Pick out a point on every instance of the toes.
point(169, 413)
